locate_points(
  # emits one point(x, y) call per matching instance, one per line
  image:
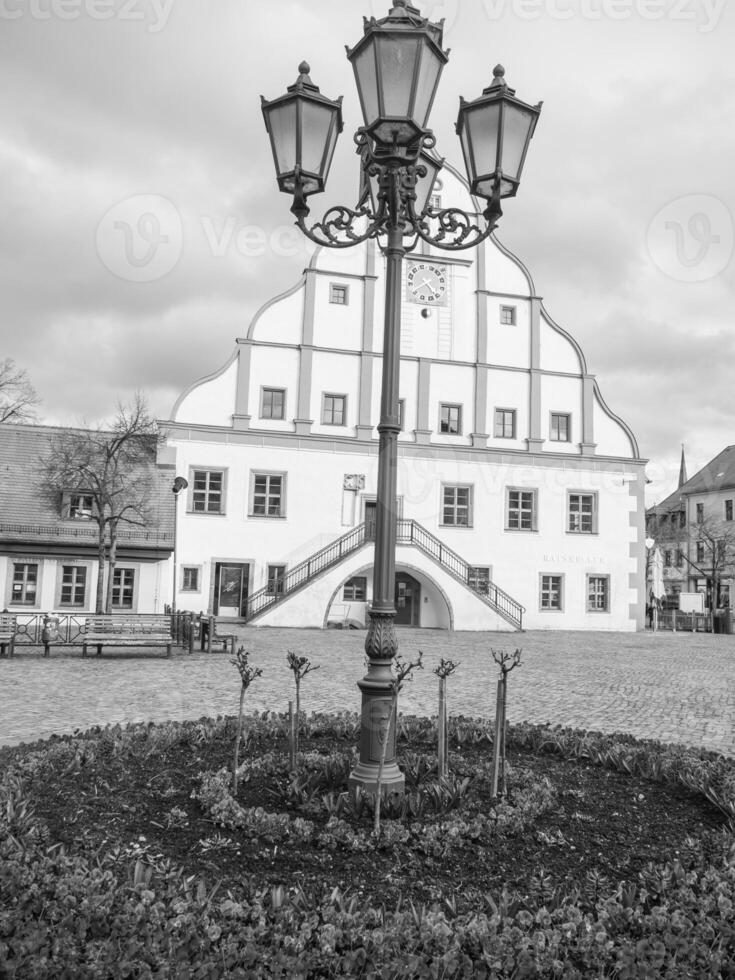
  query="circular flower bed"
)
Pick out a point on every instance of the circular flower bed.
point(126, 853)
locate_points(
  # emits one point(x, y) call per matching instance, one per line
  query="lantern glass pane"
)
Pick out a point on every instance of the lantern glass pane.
point(425, 185)
point(316, 122)
point(516, 128)
point(483, 125)
point(397, 59)
point(282, 125)
point(367, 83)
point(428, 79)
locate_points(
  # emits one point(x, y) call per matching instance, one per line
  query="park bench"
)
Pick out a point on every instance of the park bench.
point(127, 631)
point(8, 628)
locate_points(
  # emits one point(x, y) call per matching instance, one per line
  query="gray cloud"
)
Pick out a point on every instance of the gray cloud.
point(636, 115)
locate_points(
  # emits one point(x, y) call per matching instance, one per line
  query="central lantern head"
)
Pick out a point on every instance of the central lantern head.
point(398, 64)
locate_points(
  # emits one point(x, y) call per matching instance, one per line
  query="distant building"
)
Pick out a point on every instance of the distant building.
point(48, 545)
point(684, 525)
point(520, 493)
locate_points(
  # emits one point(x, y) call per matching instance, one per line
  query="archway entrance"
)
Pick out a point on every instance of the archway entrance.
point(408, 600)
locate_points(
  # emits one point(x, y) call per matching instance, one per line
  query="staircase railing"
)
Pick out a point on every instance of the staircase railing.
point(300, 575)
point(410, 532)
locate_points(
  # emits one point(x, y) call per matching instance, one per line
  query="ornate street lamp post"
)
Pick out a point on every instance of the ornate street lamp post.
point(179, 484)
point(397, 64)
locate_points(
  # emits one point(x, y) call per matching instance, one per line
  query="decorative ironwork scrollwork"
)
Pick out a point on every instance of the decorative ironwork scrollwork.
point(450, 229)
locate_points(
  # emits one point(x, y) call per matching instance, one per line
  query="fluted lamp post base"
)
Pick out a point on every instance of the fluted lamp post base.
point(377, 727)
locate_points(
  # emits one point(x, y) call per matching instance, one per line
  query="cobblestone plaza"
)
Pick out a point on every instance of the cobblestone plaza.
point(673, 687)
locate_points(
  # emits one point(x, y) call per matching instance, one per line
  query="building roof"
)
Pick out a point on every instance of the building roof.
point(28, 514)
point(718, 474)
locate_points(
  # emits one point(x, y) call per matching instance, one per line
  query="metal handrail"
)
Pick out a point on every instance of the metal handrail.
point(408, 532)
point(411, 532)
point(300, 575)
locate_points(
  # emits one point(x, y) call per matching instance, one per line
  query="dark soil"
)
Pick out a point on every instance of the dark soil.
point(605, 827)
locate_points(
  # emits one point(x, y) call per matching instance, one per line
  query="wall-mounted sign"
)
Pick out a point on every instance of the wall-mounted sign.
point(562, 559)
point(354, 481)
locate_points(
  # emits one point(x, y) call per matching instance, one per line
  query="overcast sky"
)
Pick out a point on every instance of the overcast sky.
point(141, 226)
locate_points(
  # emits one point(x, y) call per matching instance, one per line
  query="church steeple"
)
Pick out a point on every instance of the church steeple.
point(682, 469)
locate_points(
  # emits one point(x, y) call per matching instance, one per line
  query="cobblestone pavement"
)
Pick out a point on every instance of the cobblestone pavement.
point(674, 687)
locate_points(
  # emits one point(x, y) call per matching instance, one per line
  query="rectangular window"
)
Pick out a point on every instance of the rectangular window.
point(552, 592)
point(355, 589)
point(190, 578)
point(268, 495)
point(582, 509)
point(478, 579)
point(561, 427)
point(338, 294)
point(80, 506)
point(276, 576)
point(520, 510)
point(505, 423)
point(700, 550)
point(508, 315)
point(667, 559)
point(457, 506)
point(728, 510)
point(598, 593)
point(700, 513)
point(25, 584)
point(73, 585)
point(679, 557)
point(273, 403)
point(123, 587)
point(450, 420)
point(207, 496)
point(435, 202)
point(334, 409)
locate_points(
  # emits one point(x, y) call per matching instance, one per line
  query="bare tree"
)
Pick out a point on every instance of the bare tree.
point(113, 467)
point(715, 542)
point(18, 398)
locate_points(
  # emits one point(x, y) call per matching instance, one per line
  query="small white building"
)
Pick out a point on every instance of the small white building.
point(520, 493)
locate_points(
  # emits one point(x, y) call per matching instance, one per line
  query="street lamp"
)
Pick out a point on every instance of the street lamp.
point(397, 65)
point(179, 484)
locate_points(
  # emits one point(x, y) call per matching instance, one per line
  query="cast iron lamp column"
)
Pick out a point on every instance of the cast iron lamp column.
point(397, 65)
point(179, 484)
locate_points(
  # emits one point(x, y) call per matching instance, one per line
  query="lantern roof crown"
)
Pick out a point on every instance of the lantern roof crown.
point(403, 16)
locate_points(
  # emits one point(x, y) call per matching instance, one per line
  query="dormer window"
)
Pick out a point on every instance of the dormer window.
point(78, 506)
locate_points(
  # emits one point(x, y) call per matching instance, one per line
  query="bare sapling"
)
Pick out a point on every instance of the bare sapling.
point(248, 674)
point(301, 666)
point(506, 662)
point(445, 669)
point(403, 672)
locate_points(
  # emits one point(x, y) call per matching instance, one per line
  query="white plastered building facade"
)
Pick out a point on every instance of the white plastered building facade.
point(513, 473)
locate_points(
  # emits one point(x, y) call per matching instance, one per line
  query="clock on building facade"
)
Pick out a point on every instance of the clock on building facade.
point(426, 283)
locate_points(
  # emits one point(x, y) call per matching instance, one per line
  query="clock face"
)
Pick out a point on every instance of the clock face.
point(427, 283)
